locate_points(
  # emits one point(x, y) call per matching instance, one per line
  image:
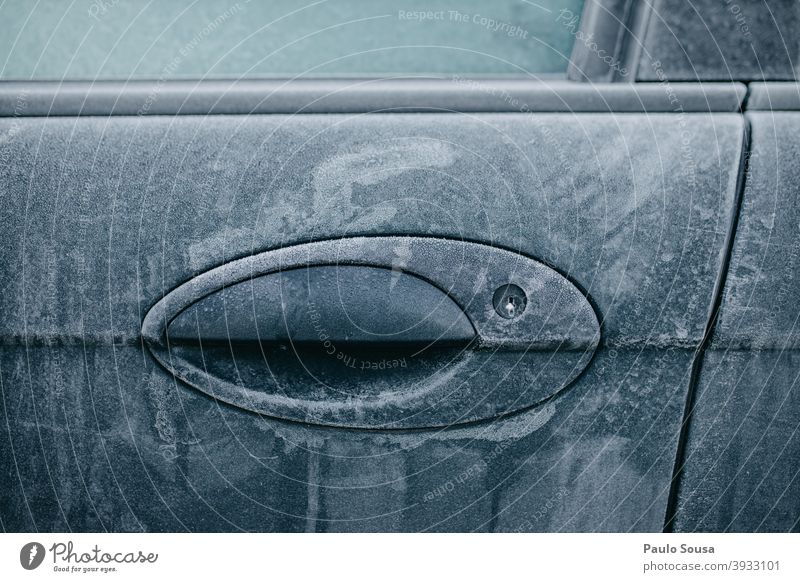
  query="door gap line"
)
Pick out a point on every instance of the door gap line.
point(711, 324)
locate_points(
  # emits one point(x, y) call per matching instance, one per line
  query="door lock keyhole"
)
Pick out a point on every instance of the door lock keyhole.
point(509, 301)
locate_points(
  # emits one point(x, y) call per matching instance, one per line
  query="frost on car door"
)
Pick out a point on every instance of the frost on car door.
point(104, 216)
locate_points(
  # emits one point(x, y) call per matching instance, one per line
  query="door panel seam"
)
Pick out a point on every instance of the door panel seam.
point(697, 361)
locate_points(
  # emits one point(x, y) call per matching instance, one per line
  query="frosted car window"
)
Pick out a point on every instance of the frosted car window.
point(141, 39)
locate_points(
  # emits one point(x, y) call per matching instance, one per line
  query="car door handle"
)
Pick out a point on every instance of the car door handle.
point(326, 304)
point(377, 332)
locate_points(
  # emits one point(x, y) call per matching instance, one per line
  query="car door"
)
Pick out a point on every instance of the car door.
point(425, 301)
point(741, 471)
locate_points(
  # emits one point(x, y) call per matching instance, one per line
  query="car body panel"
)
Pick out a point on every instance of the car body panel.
point(105, 216)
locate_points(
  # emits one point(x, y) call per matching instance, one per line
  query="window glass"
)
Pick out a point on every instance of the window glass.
point(122, 39)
